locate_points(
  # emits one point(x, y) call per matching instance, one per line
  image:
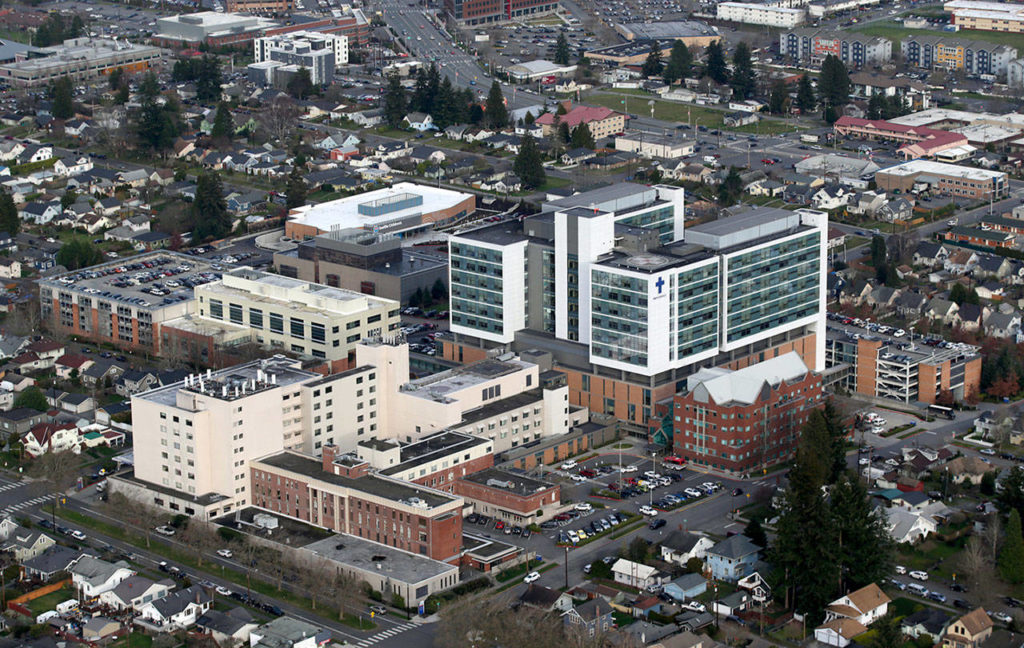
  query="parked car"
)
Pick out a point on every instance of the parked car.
point(531, 577)
point(657, 524)
point(919, 575)
point(165, 530)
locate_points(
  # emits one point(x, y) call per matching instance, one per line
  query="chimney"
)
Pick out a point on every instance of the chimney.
point(330, 451)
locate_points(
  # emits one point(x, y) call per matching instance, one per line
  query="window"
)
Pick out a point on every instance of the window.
point(297, 328)
point(317, 332)
point(352, 325)
point(352, 338)
point(235, 313)
point(216, 309)
point(256, 318)
point(276, 323)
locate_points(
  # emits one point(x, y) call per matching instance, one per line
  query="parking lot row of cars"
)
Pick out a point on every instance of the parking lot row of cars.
point(594, 528)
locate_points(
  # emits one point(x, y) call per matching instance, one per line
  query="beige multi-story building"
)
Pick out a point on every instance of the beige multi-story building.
point(305, 318)
point(987, 16)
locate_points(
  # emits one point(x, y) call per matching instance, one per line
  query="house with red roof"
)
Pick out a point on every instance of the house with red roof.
point(70, 362)
point(601, 121)
point(919, 141)
point(51, 437)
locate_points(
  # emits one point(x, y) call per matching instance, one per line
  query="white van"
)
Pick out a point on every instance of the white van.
point(915, 588)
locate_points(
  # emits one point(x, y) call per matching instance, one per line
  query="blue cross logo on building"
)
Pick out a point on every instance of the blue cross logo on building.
point(660, 283)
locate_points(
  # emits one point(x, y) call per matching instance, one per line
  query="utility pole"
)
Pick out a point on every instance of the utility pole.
point(566, 566)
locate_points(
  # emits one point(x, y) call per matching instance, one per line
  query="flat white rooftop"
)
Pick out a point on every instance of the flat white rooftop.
point(935, 115)
point(939, 168)
point(344, 212)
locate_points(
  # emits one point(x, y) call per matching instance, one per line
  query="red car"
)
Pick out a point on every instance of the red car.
point(499, 525)
point(613, 486)
point(586, 472)
point(675, 460)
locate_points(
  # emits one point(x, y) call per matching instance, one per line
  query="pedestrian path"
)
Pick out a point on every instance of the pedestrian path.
point(6, 486)
point(385, 634)
point(13, 508)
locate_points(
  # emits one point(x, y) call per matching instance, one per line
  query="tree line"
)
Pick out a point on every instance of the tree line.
point(447, 105)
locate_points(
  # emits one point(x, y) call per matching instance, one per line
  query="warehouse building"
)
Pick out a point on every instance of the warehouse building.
point(690, 32)
point(81, 59)
point(946, 179)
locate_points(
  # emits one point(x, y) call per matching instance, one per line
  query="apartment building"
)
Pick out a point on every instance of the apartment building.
point(748, 420)
point(768, 14)
point(308, 319)
point(600, 121)
point(482, 12)
point(986, 16)
point(888, 368)
point(194, 439)
point(626, 304)
point(950, 53)
point(81, 59)
point(812, 46)
point(124, 303)
point(339, 492)
point(945, 179)
point(278, 58)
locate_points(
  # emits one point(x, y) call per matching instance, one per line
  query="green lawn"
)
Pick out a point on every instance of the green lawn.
point(683, 112)
point(133, 640)
point(897, 32)
point(50, 601)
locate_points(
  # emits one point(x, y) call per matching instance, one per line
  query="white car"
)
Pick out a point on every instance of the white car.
point(919, 575)
point(568, 465)
point(650, 474)
point(223, 591)
point(900, 569)
point(630, 468)
point(532, 576)
point(987, 451)
point(578, 478)
point(584, 506)
point(78, 535)
point(694, 606)
point(165, 530)
point(573, 536)
point(864, 461)
point(692, 492)
point(224, 553)
point(647, 510)
point(1001, 616)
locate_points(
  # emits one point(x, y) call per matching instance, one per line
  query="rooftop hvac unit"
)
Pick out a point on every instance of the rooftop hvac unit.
point(499, 483)
point(417, 502)
point(264, 521)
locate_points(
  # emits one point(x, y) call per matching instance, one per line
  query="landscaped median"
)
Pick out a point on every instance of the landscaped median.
point(133, 537)
point(515, 581)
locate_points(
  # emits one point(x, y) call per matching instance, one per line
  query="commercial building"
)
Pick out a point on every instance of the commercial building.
point(693, 33)
point(279, 58)
point(626, 304)
point(483, 12)
point(820, 8)
point(308, 319)
point(761, 14)
point(889, 368)
point(81, 59)
point(209, 27)
point(435, 461)
point(533, 70)
point(914, 93)
point(919, 141)
point(600, 121)
point(986, 16)
point(745, 421)
point(812, 45)
point(981, 236)
point(386, 569)
point(403, 210)
point(340, 493)
point(124, 303)
point(941, 52)
point(631, 53)
point(366, 262)
point(509, 496)
point(654, 145)
point(945, 179)
point(276, 7)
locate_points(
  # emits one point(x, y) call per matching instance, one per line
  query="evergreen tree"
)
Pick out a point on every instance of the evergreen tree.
point(394, 101)
point(888, 633)
point(834, 82)
point(156, 123)
point(420, 99)
point(123, 94)
point(62, 96)
point(1010, 498)
point(295, 190)
point(680, 60)
point(528, 165)
point(529, 119)
point(9, 221)
point(438, 291)
point(433, 86)
point(755, 532)
point(68, 199)
point(863, 545)
point(497, 113)
point(210, 217)
point(836, 427)
point(804, 531)
point(445, 113)
point(715, 66)
point(731, 188)
point(876, 106)
point(564, 135)
point(744, 81)
point(300, 85)
point(582, 137)
point(1011, 556)
point(78, 253)
point(116, 78)
point(208, 79)
point(805, 99)
point(223, 125)
point(830, 115)
point(653, 65)
point(878, 251)
point(778, 98)
point(562, 50)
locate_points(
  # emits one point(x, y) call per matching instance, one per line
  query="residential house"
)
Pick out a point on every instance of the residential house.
point(867, 203)
point(227, 628)
point(51, 437)
point(928, 621)
point(368, 118)
point(839, 632)
point(741, 118)
point(830, 197)
point(456, 131)
point(942, 310)
point(100, 628)
point(910, 304)
point(990, 290)
point(178, 610)
point(635, 574)
point(92, 576)
point(72, 165)
point(77, 403)
point(882, 297)
point(20, 420)
point(968, 469)
point(40, 213)
point(866, 605)
point(896, 210)
point(15, 382)
point(908, 527)
point(135, 592)
point(969, 631)
point(546, 599)
point(577, 156)
point(54, 561)
point(420, 122)
point(971, 316)
point(72, 364)
point(24, 544)
point(960, 261)
point(990, 265)
point(591, 618)
point(1003, 325)
point(686, 587)
point(392, 150)
point(288, 632)
point(733, 603)
point(732, 558)
point(134, 381)
point(931, 254)
point(10, 268)
point(679, 547)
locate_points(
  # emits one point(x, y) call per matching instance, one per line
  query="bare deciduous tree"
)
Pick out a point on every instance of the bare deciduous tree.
point(279, 118)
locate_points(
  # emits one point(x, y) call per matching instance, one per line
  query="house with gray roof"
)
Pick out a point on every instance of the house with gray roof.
point(135, 592)
point(24, 543)
point(732, 558)
point(178, 610)
point(55, 560)
point(93, 576)
point(227, 627)
point(288, 632)
point(679, 546)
